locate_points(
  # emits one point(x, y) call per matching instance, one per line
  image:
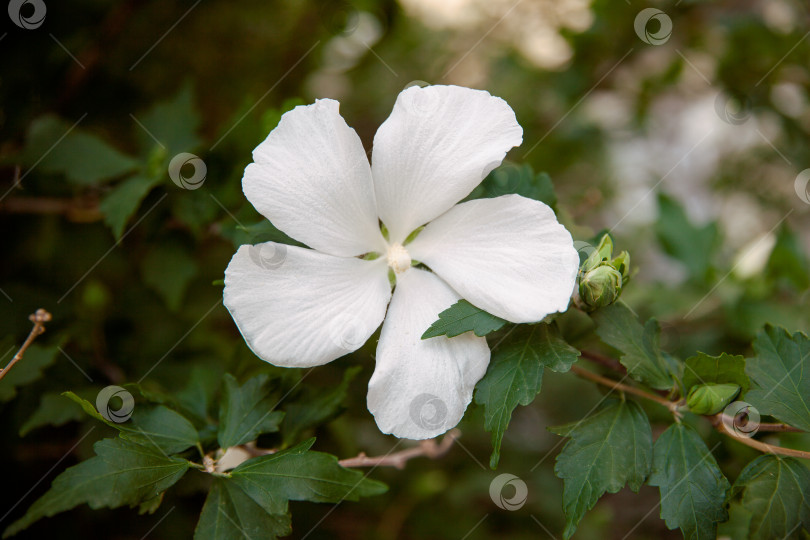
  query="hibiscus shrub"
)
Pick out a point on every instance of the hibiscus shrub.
point(230, 343)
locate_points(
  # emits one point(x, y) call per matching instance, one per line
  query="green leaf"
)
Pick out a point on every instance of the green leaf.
point(641, 355)
point(776, 491)
point(173, 123)
point(55, 409)
point(83, 158)
point(168, 270)
point(520, 179)
point(27, 370)
point(515, 375)
point(463, 317)
point(780, 373)
point(693, 490)
point(229, 514)
point(263, 231)
point(198, 396)
point(298, 474)
point(315, 408)
point(150, 425)
point(693, 246)
point(122, 473)
point(246, 411)
point(723, 369)
point(607, 450)
point(788, 261)
point(121, 203)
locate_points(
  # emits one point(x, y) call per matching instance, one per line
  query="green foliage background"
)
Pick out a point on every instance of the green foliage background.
point(128, 263)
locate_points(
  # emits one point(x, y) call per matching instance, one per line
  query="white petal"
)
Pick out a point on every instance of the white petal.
point(437, 145)
point(507, 255)
point(312, 179)
point(296, 307)
point(420, 388)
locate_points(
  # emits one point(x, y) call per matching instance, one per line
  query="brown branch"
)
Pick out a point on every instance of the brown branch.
point(83, 210)
point(39, 319)
point(428, 448)
point(616, 385)
point(601, 359)
point(716, 420)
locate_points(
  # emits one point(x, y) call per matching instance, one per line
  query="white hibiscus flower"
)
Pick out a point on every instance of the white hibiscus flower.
point(299, 307)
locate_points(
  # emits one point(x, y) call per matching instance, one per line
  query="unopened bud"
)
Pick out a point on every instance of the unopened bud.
point(711, 398)
point(600, 287)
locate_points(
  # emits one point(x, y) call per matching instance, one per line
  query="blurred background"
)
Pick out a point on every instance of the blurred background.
point(681, 127)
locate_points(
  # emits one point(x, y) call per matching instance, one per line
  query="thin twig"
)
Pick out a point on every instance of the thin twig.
point(616, 385)
point(603, 360)
point(428, 448)
point(719, 425)
point(39, 319)
point(716, 420)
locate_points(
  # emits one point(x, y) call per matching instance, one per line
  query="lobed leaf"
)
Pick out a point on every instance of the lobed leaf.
point(299, 474)
point(515, 375)
point(641, 355)
point(780, 373)
point(723, 369)
point(776, 492)
point(607, 450)
point(122, 473)
point(463, 317)
point(246, 411)
point(693, 490)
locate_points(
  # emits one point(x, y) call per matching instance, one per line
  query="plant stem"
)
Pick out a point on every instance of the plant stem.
point(39, 319)
point(716, 420)
point(428, 448)
point(616, 385)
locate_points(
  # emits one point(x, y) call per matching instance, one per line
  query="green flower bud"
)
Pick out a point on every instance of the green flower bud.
point(602, 253)
point(600, 287)
point(622, 264)
point(711, 398)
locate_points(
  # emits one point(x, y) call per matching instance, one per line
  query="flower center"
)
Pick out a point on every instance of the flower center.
point(398, 258)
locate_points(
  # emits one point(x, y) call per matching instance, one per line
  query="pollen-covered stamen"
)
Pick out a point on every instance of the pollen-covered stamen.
point(398, 258)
